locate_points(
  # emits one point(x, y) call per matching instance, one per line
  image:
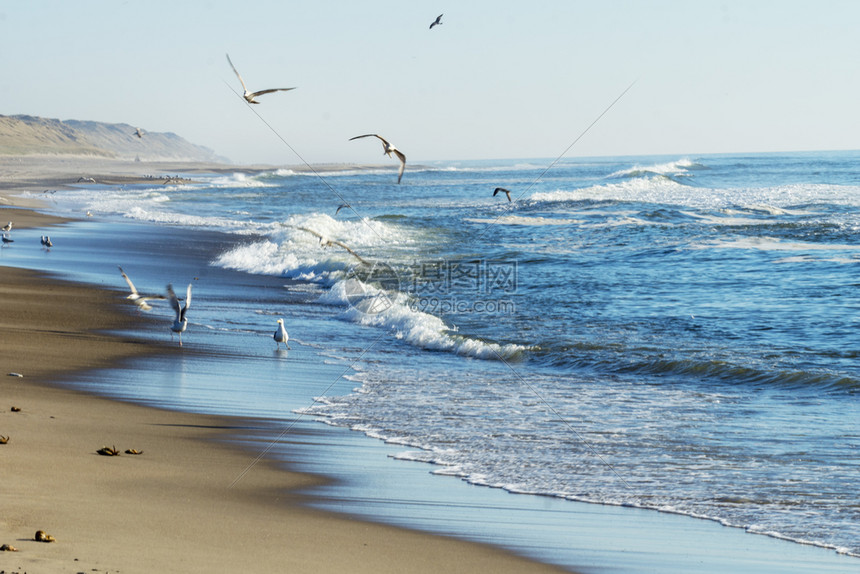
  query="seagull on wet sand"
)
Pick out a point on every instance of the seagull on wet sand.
point(7, 239)
point(437, 21)
point(388, 149)
point(7, 227)
point(505, 191)
point(46, 241)
point(249, 96)
point(137, 298)
point(180, 322)
point(281, 336)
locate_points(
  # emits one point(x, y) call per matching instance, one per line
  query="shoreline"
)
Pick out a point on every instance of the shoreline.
point(176, 505)
point(362, 482)
point(47, 173)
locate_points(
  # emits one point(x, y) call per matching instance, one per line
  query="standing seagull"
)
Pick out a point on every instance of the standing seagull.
point(502, 189)
point(7, 239)
point(387, 148)
point(7, 227)
point(281, 336)
point(437, 21)
point(180, 322)
point(249, 96)
point(139, 300)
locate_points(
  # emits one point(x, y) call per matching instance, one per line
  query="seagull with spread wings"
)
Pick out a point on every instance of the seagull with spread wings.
point(388, 149)
point(180, 322)
point(249, 96)
point(134, 296)
point(505, 191)
point(437, 21)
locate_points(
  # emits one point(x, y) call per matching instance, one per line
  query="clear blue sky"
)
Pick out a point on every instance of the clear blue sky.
point(499, 78)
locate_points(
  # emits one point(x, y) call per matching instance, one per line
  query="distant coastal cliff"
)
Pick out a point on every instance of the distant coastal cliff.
point(27, 135)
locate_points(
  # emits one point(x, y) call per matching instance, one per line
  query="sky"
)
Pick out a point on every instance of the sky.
point(498, 79)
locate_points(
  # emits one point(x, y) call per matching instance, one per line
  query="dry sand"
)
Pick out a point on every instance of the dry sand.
point(172, 508)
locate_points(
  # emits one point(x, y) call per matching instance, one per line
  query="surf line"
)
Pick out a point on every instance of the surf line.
point(567, 423)
point(551, 165)
point(302, 159)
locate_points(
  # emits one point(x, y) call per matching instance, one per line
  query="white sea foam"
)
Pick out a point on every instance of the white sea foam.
point(527, 221)
point(676, 168)
point(295, 253)
point(774, 244)
point(240, 180)
point(392, 311)
point(646, 189)
point(778, 200)
point(293, 248)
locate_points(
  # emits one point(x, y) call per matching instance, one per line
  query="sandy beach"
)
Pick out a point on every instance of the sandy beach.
point(174, 507)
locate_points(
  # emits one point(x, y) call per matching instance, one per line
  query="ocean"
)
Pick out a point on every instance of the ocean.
point(660, 335)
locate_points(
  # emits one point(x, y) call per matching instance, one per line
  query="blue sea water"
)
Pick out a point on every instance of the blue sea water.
point(668, 333)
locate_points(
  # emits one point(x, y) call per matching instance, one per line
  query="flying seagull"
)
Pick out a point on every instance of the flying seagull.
point(281, 335)
point(341, 206)
point(139, 133)
point(137, 298)
point(505, 191)
point(437, 21)
point(180, 322)
point(326, 242)
point(249, 96)
point(387, 149)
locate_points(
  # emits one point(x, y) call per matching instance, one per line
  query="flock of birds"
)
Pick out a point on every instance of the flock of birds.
point(180, 308)
point(387, 147)
point(180, 322)
point(45, 240)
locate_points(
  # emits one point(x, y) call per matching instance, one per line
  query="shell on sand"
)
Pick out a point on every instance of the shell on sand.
point(108, 451)
point(42, 536)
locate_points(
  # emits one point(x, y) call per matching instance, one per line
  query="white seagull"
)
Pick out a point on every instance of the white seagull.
point(281, 336)
point(326, 242)
point(7, 227)
point(249, 96)
point(437, 21)
point(139, 133)
point(180, 322)
point(137, 298)
point(387, 149)
point(505, 191)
